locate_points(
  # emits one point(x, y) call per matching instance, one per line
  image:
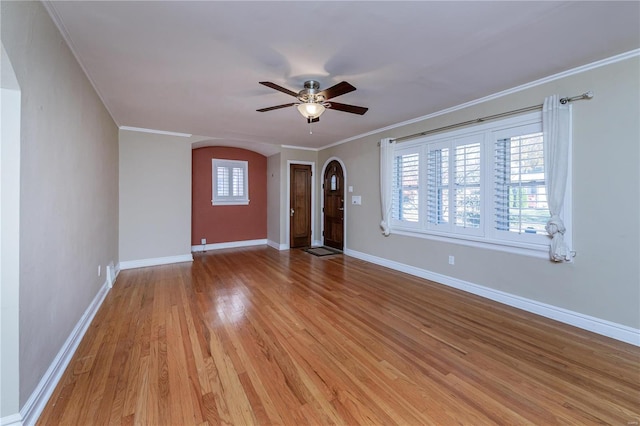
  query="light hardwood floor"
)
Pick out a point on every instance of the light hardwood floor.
point(257, 336)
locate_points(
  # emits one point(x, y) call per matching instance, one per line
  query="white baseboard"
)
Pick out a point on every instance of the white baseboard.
point(40, 396)
point(576, 319)
point(317, 243)
point(12, 420)
point(131, 264)
point(277, 246)
point(230, 244)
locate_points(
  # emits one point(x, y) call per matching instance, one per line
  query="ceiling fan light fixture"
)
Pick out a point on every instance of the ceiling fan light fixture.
point(311, 109)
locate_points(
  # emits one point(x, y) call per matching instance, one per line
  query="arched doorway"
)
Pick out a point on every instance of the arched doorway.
point(333, 190)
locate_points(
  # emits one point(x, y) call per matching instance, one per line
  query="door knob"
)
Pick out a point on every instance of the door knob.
point(292, 211)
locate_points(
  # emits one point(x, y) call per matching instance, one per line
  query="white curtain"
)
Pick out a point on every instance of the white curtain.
point(386, 173)
point(556, 122)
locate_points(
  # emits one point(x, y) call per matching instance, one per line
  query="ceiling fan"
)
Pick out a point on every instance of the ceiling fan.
point(313, 102)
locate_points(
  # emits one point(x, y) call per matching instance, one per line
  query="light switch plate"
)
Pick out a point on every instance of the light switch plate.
point(350, 188)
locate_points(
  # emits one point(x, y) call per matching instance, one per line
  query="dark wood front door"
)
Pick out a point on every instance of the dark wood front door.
point(334, 206)
point(300, 206)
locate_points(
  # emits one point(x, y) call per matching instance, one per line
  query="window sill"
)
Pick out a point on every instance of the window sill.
point(230, 203)
point(533, 250)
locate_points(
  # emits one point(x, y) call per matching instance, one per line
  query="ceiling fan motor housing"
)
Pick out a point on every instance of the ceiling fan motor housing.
point(310, 92)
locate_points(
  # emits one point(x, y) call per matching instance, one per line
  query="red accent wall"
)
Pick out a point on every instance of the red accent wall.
point(221, 224)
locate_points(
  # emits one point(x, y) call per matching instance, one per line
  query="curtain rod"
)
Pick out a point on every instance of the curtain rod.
point(586, 95)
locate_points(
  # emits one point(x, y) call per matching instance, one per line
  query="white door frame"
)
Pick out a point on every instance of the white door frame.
point(313, 200)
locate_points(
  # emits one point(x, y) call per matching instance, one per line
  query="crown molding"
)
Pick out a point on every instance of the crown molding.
point(544, 80)
point(53, 14)
point(303, 148)
point(154, 131)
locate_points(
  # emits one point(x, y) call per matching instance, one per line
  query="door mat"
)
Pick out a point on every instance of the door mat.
point(322, 251)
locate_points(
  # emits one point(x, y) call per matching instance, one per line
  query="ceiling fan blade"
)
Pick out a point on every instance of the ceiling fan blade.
point(275, 107)
point(279, 88)
point(348, 108)
point(337, 90)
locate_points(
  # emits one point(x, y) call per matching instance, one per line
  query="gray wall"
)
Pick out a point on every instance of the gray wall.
point(155, 196)
point(68, 188)
point(604, 280)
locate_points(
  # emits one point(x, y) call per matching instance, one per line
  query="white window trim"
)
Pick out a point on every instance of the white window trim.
point(487, 239)
point(229, 200)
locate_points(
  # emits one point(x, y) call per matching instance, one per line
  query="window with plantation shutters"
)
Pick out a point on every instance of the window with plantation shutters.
point(482, 186)
point(229, 182)
point(406, 179)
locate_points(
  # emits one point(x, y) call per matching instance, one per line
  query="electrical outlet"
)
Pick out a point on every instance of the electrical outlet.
point(99, 270)
point(203, 241)
point(452, 260)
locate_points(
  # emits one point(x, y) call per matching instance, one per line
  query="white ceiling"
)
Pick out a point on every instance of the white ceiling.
point(194, 67)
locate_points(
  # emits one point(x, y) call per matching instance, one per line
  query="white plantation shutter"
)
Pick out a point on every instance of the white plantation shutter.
point(229, 182)
point(467, 185)
point(438, 186)
point(520, 194)
point(222, 182)
point(238, 182)
point(454, 186)
point(502, 161)
point(405, 188)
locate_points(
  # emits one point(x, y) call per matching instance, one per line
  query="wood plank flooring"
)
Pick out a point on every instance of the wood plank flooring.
point(257, 336)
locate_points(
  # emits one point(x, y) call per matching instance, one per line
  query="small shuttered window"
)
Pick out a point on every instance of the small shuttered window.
point(229, 182)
